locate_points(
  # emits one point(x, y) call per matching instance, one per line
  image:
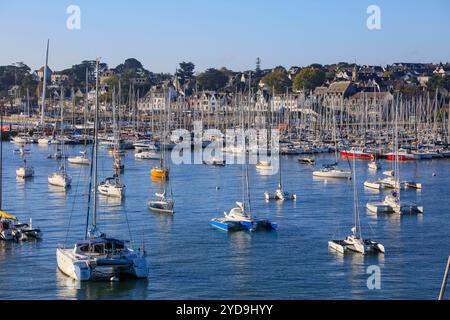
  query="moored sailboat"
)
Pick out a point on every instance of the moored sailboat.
point(355, 242)
point(98, 256)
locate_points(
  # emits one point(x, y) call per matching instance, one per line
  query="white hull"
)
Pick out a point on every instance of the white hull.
point(379, 207)
point(333, 174)
point(44, 141)
point(25, 172)
point(78, 270)
point(59, 180)
point(111, 191)
point(79, 160)
point(145, 155)
point(374, 166)
point(82, 268)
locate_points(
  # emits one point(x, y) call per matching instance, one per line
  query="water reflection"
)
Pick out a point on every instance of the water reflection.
point(240, 255)
point(130, 289)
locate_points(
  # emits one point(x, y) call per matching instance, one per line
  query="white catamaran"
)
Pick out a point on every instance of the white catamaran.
point(98, 256)
point(355, 242)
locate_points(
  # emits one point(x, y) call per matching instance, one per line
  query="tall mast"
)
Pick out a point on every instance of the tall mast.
point(61, 105)
point(245, 150)
point(44, 89)
point(355, 203)
point(96, 127)
point(86, 108)
point(28, 102)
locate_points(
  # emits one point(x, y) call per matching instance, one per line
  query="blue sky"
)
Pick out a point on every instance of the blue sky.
point(231, 33)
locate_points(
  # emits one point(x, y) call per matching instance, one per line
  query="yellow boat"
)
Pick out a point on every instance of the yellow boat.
point(159, 173)
point(6, 215)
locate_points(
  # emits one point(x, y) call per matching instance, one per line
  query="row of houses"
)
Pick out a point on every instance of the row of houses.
point(157, 98)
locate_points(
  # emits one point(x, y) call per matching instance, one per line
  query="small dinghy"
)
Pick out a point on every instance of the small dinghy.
point(147, 155)
point(264, 165)
point(413, 185)
point(374, 165)
point(306, 161)
point(390, 173)
point(214, 161)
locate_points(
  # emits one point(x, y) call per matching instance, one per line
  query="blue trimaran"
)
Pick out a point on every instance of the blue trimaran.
point(240, 217)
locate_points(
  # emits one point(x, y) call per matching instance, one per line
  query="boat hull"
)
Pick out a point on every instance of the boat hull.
point(357, 155)
point(111, 191)
point(24, 172)
point(78, 270)
point(400, 157)
point(332, 174)
point(85, 270)
point(79, 160)
point(230, 226)
point(59, 181)
point(379, 208)
point(158, 173)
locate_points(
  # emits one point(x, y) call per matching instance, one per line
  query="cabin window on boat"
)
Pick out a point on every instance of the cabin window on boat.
point(96, 248)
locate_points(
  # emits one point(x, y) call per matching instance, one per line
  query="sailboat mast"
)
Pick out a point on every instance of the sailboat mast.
point(96, 127)
point(396, 146)
point(245, 150)
point(44, 87)
point(28, 102)
point(61, 103)
point(86, 108)
point(355, 203)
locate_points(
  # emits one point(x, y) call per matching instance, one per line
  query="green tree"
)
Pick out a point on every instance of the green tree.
point(213, 79)
point(277, 80)
point(186, 71)
point(309, 78)
point(439, 82)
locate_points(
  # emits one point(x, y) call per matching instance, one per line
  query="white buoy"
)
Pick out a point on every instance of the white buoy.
point(114, 279)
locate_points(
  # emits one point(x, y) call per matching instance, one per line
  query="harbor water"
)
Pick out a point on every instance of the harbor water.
point(190, 260)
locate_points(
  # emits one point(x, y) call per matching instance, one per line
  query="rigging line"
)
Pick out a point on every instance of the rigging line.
point(128, 224)
point(73, 206)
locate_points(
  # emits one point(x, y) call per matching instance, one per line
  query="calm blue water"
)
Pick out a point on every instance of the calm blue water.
point(190, 260)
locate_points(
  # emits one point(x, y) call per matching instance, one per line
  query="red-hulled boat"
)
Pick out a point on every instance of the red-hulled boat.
point(402, 156)
point(357, 153)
